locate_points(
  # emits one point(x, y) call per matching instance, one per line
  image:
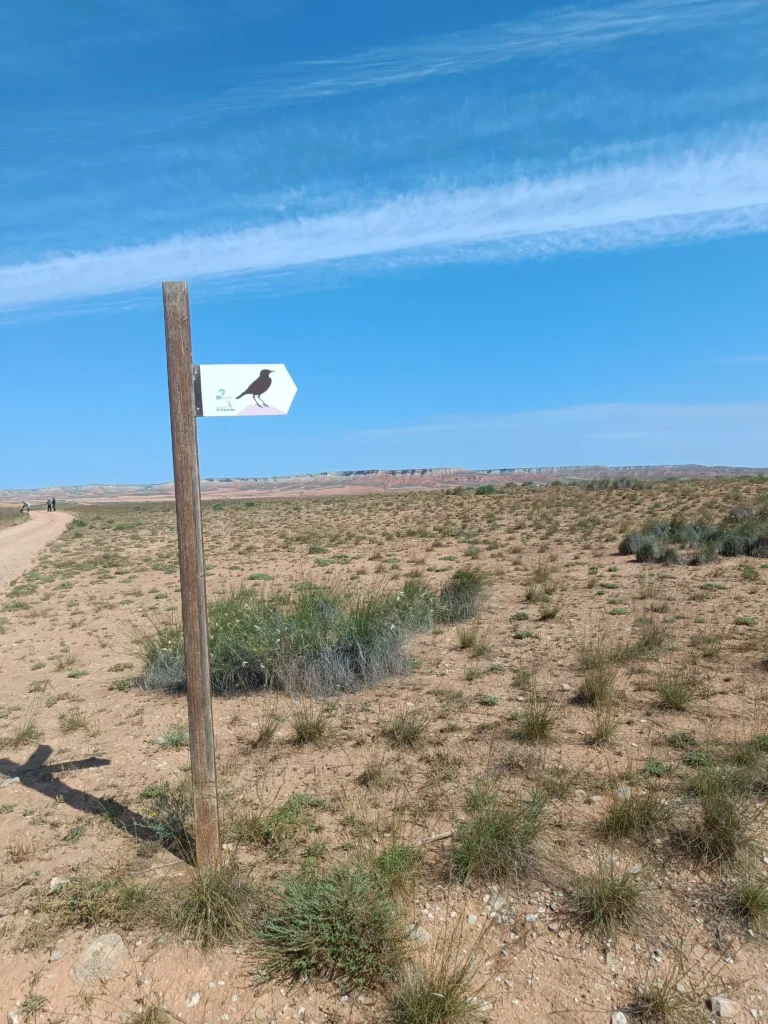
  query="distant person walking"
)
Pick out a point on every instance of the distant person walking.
point(49, 505)
point(53, 503)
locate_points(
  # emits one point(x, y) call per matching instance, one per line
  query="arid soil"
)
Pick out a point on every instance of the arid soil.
point(19, 548)
point(79, 744)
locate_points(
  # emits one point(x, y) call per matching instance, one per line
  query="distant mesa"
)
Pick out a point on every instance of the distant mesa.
point(368, 481)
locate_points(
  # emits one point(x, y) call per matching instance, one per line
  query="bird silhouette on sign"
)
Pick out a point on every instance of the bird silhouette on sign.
point(258, 388)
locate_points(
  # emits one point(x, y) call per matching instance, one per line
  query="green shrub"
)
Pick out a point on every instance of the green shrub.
point(338, 926)
point(741, 532)
point(397, 865)
point(279, 830)
point(316, 641)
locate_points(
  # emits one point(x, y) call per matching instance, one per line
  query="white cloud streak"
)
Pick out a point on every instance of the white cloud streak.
point(696, 194)
point(559, 30)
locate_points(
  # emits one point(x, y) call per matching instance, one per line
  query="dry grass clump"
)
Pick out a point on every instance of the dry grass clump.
point(212, 908)
point(377, 773)
point(726, 820)
point(407, 729)
point(500, 837)
point(666, 1000)
point(85, 901)
point(642, 817)
point(608, 901)
point(677, 688)
point(310, 724)
point(444, 990)
point(748, 900)
point(537, 720)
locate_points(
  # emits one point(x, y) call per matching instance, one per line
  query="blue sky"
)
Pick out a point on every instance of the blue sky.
point(478, 234)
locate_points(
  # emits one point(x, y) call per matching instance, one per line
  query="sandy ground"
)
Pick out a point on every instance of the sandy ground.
point(20, 545)
point(67, 660)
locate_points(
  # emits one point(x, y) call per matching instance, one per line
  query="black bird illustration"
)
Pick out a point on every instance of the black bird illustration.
point(258, 387)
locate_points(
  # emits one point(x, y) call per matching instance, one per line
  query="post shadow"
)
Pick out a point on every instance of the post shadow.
point(36, 774)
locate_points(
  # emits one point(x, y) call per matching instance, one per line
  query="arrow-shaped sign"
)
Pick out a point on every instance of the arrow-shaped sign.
point(243, 389)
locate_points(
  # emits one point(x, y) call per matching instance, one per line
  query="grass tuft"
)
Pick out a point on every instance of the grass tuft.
point(748, 900)
point(338, 926)
point(607, 901)
point(643, 817)
point(213, 908)
point(407, 729)
point(499, 839)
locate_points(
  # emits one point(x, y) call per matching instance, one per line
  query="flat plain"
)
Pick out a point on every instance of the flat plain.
point(552, 807)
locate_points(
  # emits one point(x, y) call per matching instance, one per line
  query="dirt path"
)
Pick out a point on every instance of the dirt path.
point(20, 544)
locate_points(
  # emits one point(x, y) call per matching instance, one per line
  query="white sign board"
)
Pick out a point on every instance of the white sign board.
point(243, 389)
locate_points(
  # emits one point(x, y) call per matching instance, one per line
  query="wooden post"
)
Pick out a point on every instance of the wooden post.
point(194, 611)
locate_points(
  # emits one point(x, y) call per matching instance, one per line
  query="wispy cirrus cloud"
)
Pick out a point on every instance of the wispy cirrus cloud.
point(561, 29)
point(697, 193)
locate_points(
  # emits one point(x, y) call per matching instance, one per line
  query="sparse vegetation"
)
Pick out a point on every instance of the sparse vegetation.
point(607, 900)
point(631, 697)
point(213, 908)
point(316, 641)
point(500, 837)
point(338, 926)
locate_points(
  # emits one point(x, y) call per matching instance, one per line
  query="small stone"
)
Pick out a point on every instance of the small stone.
point(610, 959)
point(618, 1017)
point(594, 799)
point(531, 917)
point(564, 687)
point(472, 919)
point(624, 791)
point(724, 1007)
point(580, 793)
point(57, 883)
point(99, 960)
point(635, 869)
point(14, 1018)
point(193, 1000)
point(9, 782)
point(56, 954)
point(419, 934)
point(552, 926)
